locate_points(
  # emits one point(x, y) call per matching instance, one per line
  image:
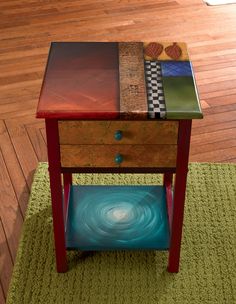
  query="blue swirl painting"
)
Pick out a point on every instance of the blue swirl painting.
point(117, 217)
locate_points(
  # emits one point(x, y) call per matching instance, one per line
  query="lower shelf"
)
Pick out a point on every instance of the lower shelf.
point(117, 217)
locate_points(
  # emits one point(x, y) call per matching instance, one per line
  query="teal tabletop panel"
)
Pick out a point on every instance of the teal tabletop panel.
point(117, 217)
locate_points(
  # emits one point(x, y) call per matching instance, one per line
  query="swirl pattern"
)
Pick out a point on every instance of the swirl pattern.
point(117, 217)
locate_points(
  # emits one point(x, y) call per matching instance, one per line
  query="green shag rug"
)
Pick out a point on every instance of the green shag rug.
point(208, 257)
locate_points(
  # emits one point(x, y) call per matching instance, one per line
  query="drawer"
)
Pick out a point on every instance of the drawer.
point(131, 132)
point(104, 155)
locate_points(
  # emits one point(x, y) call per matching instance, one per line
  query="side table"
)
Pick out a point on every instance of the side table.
point(118, 108)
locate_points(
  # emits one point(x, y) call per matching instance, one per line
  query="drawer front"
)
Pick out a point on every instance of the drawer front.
point(105, 155)
point(131, 132)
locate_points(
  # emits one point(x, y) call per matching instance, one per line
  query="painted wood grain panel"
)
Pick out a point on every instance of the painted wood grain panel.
point(104, 155)
point(133, 132)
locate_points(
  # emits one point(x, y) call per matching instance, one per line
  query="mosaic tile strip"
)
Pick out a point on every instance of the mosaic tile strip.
point(133, 97)
point(176, 68)
point(155, 94)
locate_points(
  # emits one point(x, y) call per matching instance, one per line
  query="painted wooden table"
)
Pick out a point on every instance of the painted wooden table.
point(118, 108)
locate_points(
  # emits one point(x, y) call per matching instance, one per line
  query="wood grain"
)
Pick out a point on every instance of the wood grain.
point(14, 169)
point(26, 31)
point(104, 155)
point(2, 296)
point(22, 143)
point(133, 132)
point(12, 220)
point(6, 263)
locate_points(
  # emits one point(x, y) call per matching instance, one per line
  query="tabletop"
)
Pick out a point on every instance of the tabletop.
point(118, 80)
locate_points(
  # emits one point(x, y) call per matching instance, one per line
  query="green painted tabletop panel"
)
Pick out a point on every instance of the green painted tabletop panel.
point(181, 98)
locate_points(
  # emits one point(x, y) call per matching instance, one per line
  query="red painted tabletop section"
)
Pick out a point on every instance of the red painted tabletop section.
point(81, 81)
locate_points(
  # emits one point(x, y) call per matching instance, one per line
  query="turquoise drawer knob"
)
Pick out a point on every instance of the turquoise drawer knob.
point(118, 158)
point(118, 135)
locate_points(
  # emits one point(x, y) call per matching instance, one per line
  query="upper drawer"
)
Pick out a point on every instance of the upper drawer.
point(131, 132)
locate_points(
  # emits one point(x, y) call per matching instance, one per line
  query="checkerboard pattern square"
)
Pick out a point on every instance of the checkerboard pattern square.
point(155, 93)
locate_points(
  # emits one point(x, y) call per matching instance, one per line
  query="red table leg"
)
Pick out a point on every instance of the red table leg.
point(56, 193)
point(167, 182)
point(67, 179)
point(179, 194)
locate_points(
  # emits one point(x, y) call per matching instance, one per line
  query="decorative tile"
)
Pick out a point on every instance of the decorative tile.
point(169, 51)
point(181, 98)
point(176, 68)
point(154, 50)
point(155, 96)
point(174, 51)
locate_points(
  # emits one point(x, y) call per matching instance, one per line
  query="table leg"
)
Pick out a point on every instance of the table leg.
point(56, 193)
point(179, 194)
point(67, 180)
point(167, 182)
point(168, 177)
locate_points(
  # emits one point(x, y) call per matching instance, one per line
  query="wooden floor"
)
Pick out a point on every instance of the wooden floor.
point(26, 30)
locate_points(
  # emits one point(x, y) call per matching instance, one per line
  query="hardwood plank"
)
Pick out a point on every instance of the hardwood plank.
point(26, 52)
point(26, 95)
point(27, 61)
point(17, 109)
point(2, 296)
point(10, 213)
point(223, 155)
point(219, 93)
point(230, 160)
point(197, 149)
point(37, 140)
point(213, 136)
point(22, 83)
point(10, 79)
point(217, 118)
point(6, 264)
point(23, 146)
point(207, 129)
point(43, 133)
point(204, 104)
point(222, 100)
point(217, 86)
point(18, 180)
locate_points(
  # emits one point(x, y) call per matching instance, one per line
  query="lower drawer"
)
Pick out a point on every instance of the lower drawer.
point(163, 156)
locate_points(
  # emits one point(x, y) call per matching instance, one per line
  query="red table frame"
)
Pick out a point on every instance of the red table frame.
point(175, 204)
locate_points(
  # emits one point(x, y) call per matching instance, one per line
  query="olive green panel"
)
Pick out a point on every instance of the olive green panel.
point(181, 98)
